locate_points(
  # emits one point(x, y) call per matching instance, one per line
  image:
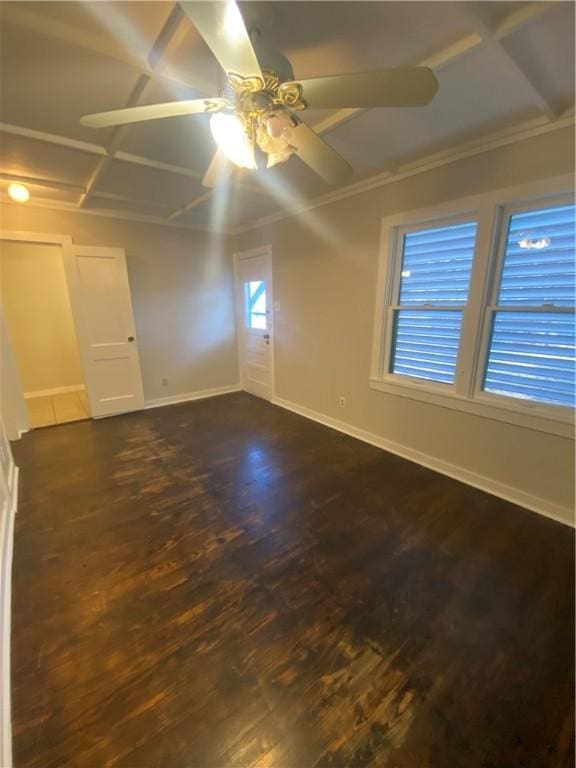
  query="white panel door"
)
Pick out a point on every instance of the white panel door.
point(254, 304)
point(100, 298)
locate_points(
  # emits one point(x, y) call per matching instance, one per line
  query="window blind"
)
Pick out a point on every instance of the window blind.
point(435, 278)
point(426, 344)
point(532, 356)
point(539, 259)
point(436, 265)
point(532, 353)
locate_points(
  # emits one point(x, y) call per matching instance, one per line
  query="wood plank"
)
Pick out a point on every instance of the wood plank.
point(224, 583)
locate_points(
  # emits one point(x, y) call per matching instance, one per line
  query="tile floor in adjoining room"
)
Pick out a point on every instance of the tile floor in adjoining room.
point(48, 410)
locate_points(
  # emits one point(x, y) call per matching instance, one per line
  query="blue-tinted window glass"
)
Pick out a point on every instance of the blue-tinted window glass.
point(532, 357)
point(531, 353)
point(255, 298)
point(436, 265)
point(426, 344)
point(539, 259)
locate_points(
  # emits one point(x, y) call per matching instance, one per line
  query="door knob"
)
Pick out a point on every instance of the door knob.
point(130, 338)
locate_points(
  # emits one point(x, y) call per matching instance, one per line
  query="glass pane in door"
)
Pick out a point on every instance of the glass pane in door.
point(255, 302)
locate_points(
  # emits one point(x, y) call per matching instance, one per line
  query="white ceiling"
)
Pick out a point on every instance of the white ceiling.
point(499, 65)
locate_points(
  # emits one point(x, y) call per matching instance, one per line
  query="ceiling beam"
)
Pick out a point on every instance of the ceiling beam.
point(162, 207)
point(166, 36)
point(521, 16)
point(537, 126)
point(173, 28)
point(119, 155)
point(34, 181)
point(51, 138)
point(189, 206)
point(106, 45)
point(95, 149)
point(58, 205)
point(175, 18)
point(493, 41)
point(446, 56)
point(512, 134)
point(437, 61)
point(117, 135)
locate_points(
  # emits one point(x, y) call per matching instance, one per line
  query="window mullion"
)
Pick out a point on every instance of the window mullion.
point(473, 319)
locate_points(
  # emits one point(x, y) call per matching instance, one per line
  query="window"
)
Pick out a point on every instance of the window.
point(255, 302)
point(531, 348)
point(475, 310)
point(433, 290)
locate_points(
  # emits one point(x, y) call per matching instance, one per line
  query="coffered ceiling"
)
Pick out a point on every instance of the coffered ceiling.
point(502, 67)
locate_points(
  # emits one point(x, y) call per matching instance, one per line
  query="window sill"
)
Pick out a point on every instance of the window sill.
point(528, 416)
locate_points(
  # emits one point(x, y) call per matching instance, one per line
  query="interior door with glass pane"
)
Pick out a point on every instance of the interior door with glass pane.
point(254, 305)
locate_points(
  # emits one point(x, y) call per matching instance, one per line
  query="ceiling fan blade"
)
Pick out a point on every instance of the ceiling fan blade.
point(220, 171)
point(222, 27)
point(152, 112)
point(319, 155)
point(395, 87)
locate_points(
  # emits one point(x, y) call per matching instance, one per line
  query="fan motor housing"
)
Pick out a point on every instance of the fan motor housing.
point(271, 61)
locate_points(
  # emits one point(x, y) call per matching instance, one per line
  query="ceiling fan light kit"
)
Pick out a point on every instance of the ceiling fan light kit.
point(233, 135)
point(257, 109)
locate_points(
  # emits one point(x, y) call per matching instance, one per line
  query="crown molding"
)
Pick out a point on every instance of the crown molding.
point(56, 205)
point(495, 140)
point(173, 26)
point(520, 132)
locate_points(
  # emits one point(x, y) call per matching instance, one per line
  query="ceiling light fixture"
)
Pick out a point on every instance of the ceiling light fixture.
point(274, 134)
point(257, 80)
point(19, 193)
point(231, 134)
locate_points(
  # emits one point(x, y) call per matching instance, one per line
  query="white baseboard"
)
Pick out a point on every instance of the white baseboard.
point(188, 396)
point(55, 391)
point(6, 553)
point(544, 507)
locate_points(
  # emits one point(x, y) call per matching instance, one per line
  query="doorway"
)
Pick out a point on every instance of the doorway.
point(38, 315)
point(70, 325)
point(255, 320)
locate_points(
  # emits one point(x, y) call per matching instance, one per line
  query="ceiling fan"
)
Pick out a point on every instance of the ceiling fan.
point(256, 113)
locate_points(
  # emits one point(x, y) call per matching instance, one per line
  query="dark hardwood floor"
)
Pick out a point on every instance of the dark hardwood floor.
point(224, 583)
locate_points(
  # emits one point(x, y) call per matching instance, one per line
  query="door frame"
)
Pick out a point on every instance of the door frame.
point(262, 250)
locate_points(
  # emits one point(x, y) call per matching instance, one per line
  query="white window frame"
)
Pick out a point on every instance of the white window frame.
point(491, 210)
point(393, 306)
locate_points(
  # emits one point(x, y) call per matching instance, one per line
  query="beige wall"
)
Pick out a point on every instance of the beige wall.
point(325, 268)
point(34, 294)
point(182, 293)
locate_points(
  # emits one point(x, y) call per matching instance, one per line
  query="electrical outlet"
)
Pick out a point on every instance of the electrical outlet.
point(164, 381)
point(342, 402)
